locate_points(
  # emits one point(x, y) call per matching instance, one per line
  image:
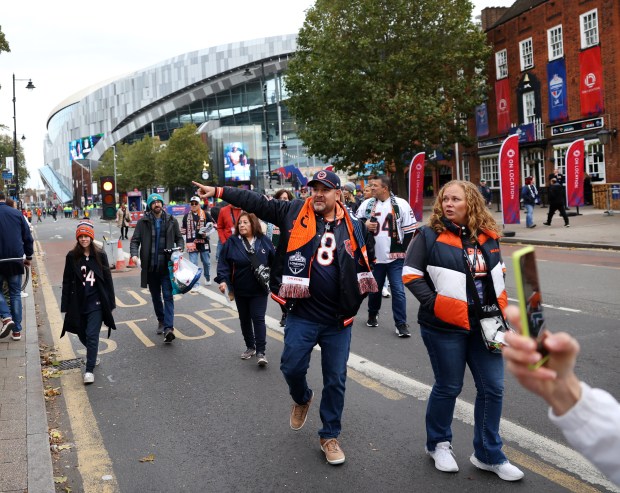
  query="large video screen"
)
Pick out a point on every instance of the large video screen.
point(237, 164)
point(80, 148)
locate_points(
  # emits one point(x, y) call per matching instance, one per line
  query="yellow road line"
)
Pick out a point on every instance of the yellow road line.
point(549, 472)
point(93, 460)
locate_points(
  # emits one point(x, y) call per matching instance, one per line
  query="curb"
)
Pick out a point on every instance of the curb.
point(40, 470)
point(563, 244)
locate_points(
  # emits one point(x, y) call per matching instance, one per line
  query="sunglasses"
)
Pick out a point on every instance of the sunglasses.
point(194, 203)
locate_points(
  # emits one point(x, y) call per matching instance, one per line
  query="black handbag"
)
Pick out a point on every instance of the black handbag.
point(261, 272)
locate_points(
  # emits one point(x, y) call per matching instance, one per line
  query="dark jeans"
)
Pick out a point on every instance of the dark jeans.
point(90, 337)
point(124, 231)
point(160, 286)
point(15, 295)
point(449, 352)
point(557, 207)
point(394, 272)
point(252, 311)
point(300, 337)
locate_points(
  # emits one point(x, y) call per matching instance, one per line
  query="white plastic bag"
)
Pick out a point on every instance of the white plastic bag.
point(183, 273)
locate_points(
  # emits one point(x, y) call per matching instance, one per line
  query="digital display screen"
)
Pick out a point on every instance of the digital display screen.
point(237, 164)
point(80, 148)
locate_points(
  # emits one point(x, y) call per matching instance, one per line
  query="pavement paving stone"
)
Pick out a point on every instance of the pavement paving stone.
point(10, 409)
point(13, 477)
point(13, 428)
point(13, 450)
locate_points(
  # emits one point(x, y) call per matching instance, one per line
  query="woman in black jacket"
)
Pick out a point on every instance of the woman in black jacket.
point(235, 274)
point(87, 294)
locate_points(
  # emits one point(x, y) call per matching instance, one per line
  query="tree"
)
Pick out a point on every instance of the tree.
point(379, 80)
point(181, 160)
point(6, 149)
point(4, 44)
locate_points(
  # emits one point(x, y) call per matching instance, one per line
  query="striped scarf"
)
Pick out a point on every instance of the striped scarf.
point(301, 250)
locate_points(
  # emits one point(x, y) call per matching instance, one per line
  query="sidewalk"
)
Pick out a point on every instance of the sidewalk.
point(25, 458)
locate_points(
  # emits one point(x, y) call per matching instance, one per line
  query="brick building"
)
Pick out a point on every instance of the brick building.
point(553, 78)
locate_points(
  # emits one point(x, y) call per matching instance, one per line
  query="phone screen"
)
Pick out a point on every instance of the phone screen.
point(530, 297)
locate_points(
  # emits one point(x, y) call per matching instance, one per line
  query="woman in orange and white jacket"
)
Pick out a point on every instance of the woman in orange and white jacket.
point(451, 261)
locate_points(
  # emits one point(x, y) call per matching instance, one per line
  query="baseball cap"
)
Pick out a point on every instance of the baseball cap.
point(195, 198)
point(327, 178)
point(349, 187)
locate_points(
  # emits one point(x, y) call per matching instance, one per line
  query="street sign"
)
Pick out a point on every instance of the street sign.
point(160, 189)
point(7, 176)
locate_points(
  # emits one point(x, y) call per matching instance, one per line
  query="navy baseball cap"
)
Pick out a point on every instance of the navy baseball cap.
point(327, 178)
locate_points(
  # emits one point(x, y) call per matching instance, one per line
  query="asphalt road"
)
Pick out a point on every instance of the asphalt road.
point(215, 423)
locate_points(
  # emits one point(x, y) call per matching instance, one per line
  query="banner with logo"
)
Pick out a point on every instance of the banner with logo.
point(591, 86)
point(558, 97)
point(502, 99)
point(416, 184)
point(509, 181)
point(575, 173)
point(482, 120)
point(526, 132)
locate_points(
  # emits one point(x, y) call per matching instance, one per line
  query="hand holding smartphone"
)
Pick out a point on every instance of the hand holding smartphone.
point(530, 299)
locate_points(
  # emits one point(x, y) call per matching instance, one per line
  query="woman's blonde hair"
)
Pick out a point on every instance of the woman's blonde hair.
point(477, 216)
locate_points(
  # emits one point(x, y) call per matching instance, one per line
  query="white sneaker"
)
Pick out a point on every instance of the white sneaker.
point(444, 457)
point(89, 378)
point(386, 292)
point(505, 470)
point(208, 283)
point(97, 361)
point(195, 288)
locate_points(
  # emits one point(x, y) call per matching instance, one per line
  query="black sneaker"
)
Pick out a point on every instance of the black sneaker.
point(372, 321)
point(403, 330)
point(169, 336)
point(160, 328)
point(547, 224)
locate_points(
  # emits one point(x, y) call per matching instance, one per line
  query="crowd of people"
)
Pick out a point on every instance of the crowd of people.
point(319, 257)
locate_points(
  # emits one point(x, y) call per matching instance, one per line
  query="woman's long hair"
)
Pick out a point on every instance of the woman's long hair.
point(478, 218)
point(257, 231)
point(95, 252)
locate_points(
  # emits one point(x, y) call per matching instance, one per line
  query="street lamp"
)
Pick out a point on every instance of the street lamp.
point(29, 86)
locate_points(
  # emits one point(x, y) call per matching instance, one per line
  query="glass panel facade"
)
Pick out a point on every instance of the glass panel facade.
point(489, 170)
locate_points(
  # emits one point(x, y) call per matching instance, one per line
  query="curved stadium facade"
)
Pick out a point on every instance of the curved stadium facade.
point(234, 93)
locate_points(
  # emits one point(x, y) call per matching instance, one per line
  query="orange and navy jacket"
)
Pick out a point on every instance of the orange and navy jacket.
point(435, 269)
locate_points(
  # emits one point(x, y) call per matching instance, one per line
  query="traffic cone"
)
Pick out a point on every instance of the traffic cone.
point(120, 257)
point(131, 262)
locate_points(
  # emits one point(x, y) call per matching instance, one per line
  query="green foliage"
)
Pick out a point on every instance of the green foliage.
point(383, 79)
point(4, 44)
point(181, 160)
point(6, 149)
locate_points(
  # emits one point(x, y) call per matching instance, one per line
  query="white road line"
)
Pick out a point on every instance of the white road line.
point(554, 453)
point(572, 310)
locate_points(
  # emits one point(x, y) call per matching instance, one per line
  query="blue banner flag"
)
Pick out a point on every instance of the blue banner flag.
point(558, 99)
point(482, 120)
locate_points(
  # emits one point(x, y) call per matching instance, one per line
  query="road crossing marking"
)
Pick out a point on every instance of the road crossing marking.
point(562, 308)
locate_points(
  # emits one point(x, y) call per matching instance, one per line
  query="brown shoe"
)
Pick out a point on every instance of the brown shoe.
point(299, 413)
point(332, 450)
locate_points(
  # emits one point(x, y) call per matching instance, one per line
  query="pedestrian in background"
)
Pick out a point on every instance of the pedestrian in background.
point(226, 221)
point(348, 190)
point(16, 241)
point(235, 275)
point(486, 192)
point(557, 198)
point(391, 221)
point(194, 227)
point(529, 196)
point(123, 219)
point(319, 233)
point(87, 297)
point(273, 233)
point(589, 418)
point(455, 269)
point(156, 233)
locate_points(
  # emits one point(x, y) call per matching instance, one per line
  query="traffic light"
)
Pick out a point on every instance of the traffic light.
point(108, 198)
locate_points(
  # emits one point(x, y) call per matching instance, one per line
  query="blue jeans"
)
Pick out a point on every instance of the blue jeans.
point(15, 295)
point(206, 262)
point(252, 312)
point(300, 336)
point(160, 286)
point(529, 214)
point(394, 272)
point(449, 352)
point(90, 337)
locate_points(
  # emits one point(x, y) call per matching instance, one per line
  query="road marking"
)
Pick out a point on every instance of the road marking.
point(561, 457)
point(93, 459)
point(562, 308)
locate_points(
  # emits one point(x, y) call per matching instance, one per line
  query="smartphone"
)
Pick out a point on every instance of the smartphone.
point(530, 299)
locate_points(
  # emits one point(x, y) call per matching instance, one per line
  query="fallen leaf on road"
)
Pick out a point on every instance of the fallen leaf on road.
point(148, 458)
point(60, 479)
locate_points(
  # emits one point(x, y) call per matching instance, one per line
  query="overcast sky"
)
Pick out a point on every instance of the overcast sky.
point(66, 46)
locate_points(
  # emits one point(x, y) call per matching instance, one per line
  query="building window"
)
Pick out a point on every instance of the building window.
point(489, 170)
point(559, 159)
point(529, 107)
point(501, 64)
point(595, 160)
point(526, 50)
point(466, 173)
point(555, 42)
point(589, 29)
